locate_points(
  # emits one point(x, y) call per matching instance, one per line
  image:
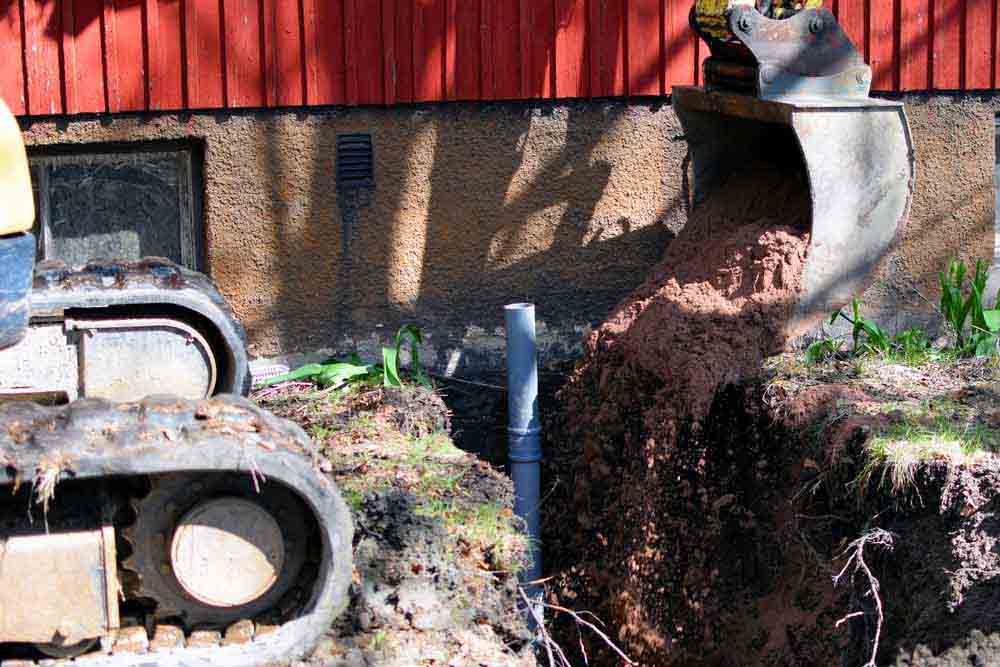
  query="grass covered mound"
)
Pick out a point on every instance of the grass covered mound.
point(437, 546)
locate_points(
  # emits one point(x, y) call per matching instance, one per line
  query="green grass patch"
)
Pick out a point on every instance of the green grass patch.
point(896, 453)
point(489, 524)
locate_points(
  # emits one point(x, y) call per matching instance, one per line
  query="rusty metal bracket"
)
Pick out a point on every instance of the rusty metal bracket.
point(59, 588)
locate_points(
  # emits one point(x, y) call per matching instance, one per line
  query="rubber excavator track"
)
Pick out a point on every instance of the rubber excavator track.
point(134, 468)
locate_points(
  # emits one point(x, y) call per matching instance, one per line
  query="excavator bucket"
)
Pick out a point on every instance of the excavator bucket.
point(797, 87)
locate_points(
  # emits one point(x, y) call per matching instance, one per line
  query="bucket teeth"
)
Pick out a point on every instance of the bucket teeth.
point(203, 638)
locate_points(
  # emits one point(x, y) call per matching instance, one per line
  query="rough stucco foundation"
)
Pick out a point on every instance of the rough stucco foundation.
point(474, 206)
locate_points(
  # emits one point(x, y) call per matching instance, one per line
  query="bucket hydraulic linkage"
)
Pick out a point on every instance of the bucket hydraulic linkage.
point(783, 73)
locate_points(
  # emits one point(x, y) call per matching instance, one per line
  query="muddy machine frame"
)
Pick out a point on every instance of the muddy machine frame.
point(800, 76)
point(189, 529)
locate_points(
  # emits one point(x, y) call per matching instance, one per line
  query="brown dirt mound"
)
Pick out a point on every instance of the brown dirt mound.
point(647, 533)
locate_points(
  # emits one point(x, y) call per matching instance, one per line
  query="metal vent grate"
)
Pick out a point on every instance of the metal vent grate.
point(355, 163)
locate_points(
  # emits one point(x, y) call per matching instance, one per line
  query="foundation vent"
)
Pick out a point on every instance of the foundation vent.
point(355, 163)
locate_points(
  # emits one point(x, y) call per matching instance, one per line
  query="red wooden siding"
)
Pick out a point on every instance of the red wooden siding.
point(89, 56)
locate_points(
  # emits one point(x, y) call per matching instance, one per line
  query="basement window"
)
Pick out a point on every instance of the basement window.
point(118, 203)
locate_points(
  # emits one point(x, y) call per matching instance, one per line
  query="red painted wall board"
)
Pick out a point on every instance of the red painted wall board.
point(284, 53)
point(884, 44)
point(946, 52)
point(164, 31)
point(572, 54)
point(542, 51)
point(389, 63)
point(506, 31)
point(610, 34)
point(645, 33)
point(12, 84)
point(404, 50)
point(243, 44)
point(979, 44)
point(324, 37)
point(428, 50)
point(43, 34)
point(83, 53)
point(450, 64)
point(468, 48)
point(679, 45)
point(363, 51)
point(125, 50)
point(914, 46)
point(487, 73)
point(203, 44)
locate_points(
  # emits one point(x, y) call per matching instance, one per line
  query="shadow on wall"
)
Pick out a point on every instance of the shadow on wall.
point(473, 208)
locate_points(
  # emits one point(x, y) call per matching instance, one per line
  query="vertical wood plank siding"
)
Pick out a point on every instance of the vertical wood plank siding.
point(93, 56)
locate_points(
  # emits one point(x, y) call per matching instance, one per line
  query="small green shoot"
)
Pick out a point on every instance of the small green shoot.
point(822, 350)
point(958, 306)
point(340, 373)
point(869, 338)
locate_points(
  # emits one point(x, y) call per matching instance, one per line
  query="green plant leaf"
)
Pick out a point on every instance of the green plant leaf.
point(413, 333)
point(307, 372)
point(986, 345)
point(991, 318)
point(816, 352)
point(340, 373)
point(390, 367)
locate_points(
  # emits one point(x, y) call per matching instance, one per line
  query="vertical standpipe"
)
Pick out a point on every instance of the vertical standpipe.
point(523, 435)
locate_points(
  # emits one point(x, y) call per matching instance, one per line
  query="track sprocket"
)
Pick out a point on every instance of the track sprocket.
point(157, 517)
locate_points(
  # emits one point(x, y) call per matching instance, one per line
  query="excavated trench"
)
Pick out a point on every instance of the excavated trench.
point(701, 508)
point(702, 513)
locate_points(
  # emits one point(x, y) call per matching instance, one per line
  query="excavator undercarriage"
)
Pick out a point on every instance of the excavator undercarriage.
point(148, 513)
point(197, 532)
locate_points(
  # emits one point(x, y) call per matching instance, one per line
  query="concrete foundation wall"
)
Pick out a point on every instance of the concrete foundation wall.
point(475, 206)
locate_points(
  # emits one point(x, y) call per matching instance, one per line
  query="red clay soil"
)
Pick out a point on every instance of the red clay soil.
point(647, 548)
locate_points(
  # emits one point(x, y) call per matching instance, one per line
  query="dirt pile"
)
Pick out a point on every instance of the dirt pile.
point(646, 533)
point(436, 549)
point(911, 451)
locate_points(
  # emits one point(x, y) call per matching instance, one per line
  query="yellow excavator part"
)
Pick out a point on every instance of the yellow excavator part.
point(17, 204)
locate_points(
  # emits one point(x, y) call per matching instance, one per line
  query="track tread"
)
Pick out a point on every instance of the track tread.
point(94, 438)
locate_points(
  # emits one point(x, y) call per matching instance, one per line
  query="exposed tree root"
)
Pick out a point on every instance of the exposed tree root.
point(855, 553)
